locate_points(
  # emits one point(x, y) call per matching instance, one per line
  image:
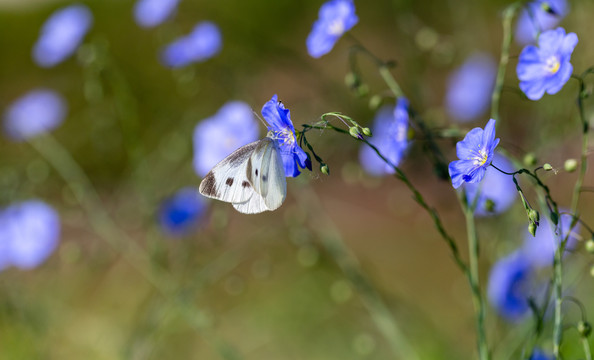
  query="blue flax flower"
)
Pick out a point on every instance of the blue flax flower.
point(511, 284)
point(546, 68)
point(539, 16)
point(497, 192)
point(470, 86)
point(204, 42)
point(61, 35)
point(150, 13)
point(390, 136)
point(540, 249)
point(279, 123)
point(335, 18)
point(475, 153)
point(538, 354)
point(30, 233)
point(216, 137)
point(34, 113)
point(181, 213)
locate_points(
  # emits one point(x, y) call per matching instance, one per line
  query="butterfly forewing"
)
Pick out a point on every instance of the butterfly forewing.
point(227, 181)
point(268, 174)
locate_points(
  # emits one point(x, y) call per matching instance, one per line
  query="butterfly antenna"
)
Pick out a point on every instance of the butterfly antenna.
point(261, 120)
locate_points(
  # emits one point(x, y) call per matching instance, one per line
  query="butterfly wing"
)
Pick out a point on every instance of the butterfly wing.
point(265, 171)
point(227, 181)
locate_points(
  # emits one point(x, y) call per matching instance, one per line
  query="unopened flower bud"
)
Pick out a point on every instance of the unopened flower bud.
point(547, 167)
point(366, 131)
point(374, 102)
point(533, 216)
point(570, 165)
point(584, 328)
point(352, 80)
point(355, 132)
point(362, 90)
point(589, 245)
point(490, 206)
point(532, 228)
point(554, 218)
point(324, 169)
point(530, 159)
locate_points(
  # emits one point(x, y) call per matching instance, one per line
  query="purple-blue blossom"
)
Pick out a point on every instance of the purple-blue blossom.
point(150, 13)
point(497, 192)
point(546, 68)
point(30, 232)
point(181, 213)
point(539, 354)
point(539, 16)
point(470, 86)
point(475, 153)
point(204, 42)
point(390, 136)
point(216, 137)
point(34, 113)
point(511, 284)
point(540, 249)
point(61, 34)
point(281, 127)
point(334, 19)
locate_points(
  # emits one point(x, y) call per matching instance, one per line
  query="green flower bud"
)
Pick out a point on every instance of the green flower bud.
point(589, 245)
point(324, 169)
point(530, 159)
point(547, 167)
point(352, 80)
point(366, 131)
point(355, 132)
point(570, 165)
point(374, 102)
point(554, 218)
point(532, 228)
point(362, 90)
point(584, 328)
point(533, 216)
point(490, 205)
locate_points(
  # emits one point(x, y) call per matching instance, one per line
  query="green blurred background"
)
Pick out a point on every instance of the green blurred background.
point(276, 285)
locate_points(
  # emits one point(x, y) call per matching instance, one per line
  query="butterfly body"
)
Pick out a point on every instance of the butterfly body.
point(252, 178)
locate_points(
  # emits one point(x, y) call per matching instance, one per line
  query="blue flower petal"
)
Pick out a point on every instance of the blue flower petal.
point(204, 42)
point(276, 115)
point(335, 18)
point(61, 35)
point(181, 213)
point(150, 13)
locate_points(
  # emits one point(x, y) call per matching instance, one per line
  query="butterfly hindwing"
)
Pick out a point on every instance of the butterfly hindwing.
point(227, 181)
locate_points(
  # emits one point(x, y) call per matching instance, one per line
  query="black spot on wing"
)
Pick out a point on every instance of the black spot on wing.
point(264, 178)
point(229, 181)
point(256, 172)
point(208, 186)
point(245, 184)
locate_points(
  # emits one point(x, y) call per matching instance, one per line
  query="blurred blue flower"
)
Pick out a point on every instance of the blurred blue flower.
point(497, 191)
point(204, 42)
point(61, 35)
point(475, 153)
point(470, 86)
point(30, 233)
point(390, 136)
point(181, 213)
point(540, 249)
point(539, 16)
point(335, 18)
point(538, 354)
point(34, 113)
point(546, 67)
point(216, 137)
point(511, 284)
point(150, 13)
point(279, 123)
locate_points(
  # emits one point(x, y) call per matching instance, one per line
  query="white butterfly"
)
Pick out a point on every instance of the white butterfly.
point(252, 178)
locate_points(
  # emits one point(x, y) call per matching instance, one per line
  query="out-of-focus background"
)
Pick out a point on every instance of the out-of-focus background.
point(348, 259)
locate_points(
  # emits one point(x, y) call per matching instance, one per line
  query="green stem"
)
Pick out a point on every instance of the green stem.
point(508, 15)
point(586, 346)
point(479, 306)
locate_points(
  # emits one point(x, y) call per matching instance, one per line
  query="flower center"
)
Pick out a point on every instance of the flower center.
point(553, 64)
point(336, 27)
point(481, 158)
